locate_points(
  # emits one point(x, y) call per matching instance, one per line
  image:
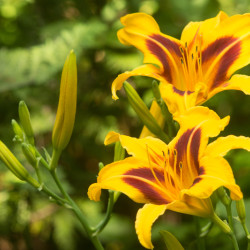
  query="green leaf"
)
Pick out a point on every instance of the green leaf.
point(170, 241)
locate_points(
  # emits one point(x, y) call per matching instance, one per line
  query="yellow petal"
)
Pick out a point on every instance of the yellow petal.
point(142, 31)
point(94, 192)
point(134, 178)
point(177, 101)
point(142, 148)
point(145, 218)
point(193, 29)
point(205, 118)
point(222, 145)
point(214, 173)
point(111, 137)
point(192, 205)
point(237, 82)
point(145, 70)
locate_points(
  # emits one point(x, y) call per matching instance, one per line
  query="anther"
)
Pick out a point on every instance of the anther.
point(180, 165)
point(175, 152)
point(186, 45)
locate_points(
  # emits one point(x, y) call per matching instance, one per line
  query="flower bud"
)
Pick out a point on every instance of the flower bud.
point(142, 111)
point(119, 152)
point(30, 154)
point(19, 135)
point(66, 110)
point(15, 166)
point(221, 192)
point(240, 207)
point(24, 116)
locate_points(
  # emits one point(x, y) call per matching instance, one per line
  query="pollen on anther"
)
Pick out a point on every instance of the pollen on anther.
point(180, 165)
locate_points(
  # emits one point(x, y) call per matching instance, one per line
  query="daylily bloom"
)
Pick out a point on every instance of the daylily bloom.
point(180, 176)
point(197, 66)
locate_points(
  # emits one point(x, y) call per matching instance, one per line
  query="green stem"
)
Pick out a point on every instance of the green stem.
point(42, 160)
point(77, 212)
point(55, 157)
point(226, 229)
point(200, 240)
point(54, 196)
point(230, 216)
point(106, 219)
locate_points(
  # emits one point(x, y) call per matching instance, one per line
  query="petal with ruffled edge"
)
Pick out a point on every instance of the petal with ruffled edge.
point(147, 215)
point(192, 30)
point(196, 126)
point(136, 179)
point(222, 145)
point(142, 31)
point(144, 70)
point(237, 82)
point(213, 173)
point(204, 117)
point(145, 218)
point(146, 149)
point(229, 50)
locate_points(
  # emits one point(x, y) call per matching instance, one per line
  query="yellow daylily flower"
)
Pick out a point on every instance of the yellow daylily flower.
point(180, 176)
point(194, 68)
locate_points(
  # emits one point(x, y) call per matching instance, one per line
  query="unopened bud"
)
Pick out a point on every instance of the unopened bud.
point(223, 196)
point(15, 166)
point(142, 111)
point(24, 116)
point(19, 135)
point(66, 110)
point(240, 207)
point(119, 152)
point(156, 91)
point(30, 154)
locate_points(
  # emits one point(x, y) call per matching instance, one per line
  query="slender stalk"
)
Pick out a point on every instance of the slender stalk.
point(106, 219)
point(53, 195)
point(77, 212)
point(42, 160)
point(230, 216)
point(226, 229)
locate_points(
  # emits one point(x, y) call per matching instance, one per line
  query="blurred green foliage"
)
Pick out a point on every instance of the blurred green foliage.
point(35, 37)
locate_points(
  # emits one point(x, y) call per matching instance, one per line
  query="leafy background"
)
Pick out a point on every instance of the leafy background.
point(35, 38)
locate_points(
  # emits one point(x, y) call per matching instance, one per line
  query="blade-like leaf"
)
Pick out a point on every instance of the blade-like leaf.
point(170, 241)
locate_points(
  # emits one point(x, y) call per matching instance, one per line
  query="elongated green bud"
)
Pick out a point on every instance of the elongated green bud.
point(15, 166)
point(24, 116)
point(66, 110)
point(156, 91)
point(119, 152)
point(142, 111)
point(19, 135)
point(164, 109)
point(223, 196)
point(240, 207)
point(30, 154)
